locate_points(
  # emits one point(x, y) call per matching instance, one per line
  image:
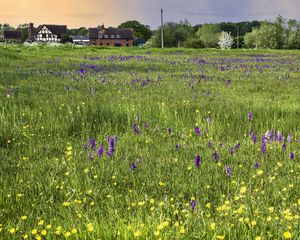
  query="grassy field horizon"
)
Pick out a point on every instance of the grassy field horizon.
point(128, 143)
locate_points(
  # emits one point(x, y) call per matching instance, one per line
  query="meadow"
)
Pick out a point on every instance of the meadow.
point(149, 144)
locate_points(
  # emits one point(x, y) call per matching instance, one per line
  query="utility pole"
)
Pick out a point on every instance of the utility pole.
point(237, 38)
point(162, 28)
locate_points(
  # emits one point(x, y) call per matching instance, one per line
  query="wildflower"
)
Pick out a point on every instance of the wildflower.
point(193, 204)
point(137, 233)
point(169, 131)
point(23, 218)
point(279, 137)
point(197, 160)
point(177, 146)
point(133, 166)
point(292, 155)
point(263, 146)
point(213, 226)
point(44, 232)
point(228, 171)
point(161, 184)
point(221, 237)
point(254, 138)
point(289, 137)
point(243, 190)
point(257, 165)
point(198, 131)
point(287, 235)
point(209, 144)
point(258, 238)
point(92, 143)
point(135, 128)
point(182, 230)
point(100, 151)
point(250, 115)
point(260, 172)
point(25, 236)
point(34, 231)
point(68, 234)
point(216, 156)
point(156, 233)
point(112, 144)
point(12, 230)
point(90, 156)
point(90, 227)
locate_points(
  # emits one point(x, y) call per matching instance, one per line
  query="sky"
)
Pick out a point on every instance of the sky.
point(91, 13)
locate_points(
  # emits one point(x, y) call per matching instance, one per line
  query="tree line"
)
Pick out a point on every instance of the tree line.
point(279, 34)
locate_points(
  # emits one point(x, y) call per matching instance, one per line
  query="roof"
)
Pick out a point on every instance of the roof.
point(55, 29)
point(79, 38)
point(14, 35)
point(111, 33)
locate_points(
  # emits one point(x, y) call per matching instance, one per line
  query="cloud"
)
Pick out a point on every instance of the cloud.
point(113, 12)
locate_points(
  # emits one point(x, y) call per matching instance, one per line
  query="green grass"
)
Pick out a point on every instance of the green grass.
point(47, 175)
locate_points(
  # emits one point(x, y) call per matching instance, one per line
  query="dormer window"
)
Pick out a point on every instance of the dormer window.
point(105, 36)
point(112, 36)
point(118, 36)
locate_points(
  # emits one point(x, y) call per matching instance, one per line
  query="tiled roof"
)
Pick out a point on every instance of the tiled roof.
point(111, 33)
point(55, 29)
point(14, 35)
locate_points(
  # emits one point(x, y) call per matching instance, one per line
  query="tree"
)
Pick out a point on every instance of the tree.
point(250, 39)
point(82, 31)
point(140, 30)
point(24, 29)
point(193, 43)
point(209, 35)
point(294, 40)
point(225, 40)
point(175, 34)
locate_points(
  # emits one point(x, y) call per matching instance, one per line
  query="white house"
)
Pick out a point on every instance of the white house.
point(46, 33)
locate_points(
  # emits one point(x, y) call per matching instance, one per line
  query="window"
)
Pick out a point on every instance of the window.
point(118, 36)
point(105, 36)
point(107, 44)
point(101, 44)
point(44, 35)
point(112, 36)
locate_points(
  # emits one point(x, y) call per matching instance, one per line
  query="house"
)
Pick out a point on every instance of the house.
point(81, 40)
point(12, 35)
point(46, 33)
point(118, 37)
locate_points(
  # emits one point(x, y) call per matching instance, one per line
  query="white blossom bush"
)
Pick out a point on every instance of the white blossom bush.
point(225, 40)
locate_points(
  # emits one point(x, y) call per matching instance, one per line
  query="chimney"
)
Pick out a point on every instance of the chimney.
point(31, 32)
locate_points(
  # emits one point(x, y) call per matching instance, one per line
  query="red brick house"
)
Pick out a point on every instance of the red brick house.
point(111, 36)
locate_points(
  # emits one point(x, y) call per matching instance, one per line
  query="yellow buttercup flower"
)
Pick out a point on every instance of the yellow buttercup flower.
point(137, 233)
point(67, 234)
point(221, 237)
point(243, 190)
point(258, 238)
point(212, 226)
point(24, 217)
point(260, 172)
point(74, 231)
point(90, 227)
point(287, 235)
point(12, 230)
point(44, 232)
point(34, 231)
